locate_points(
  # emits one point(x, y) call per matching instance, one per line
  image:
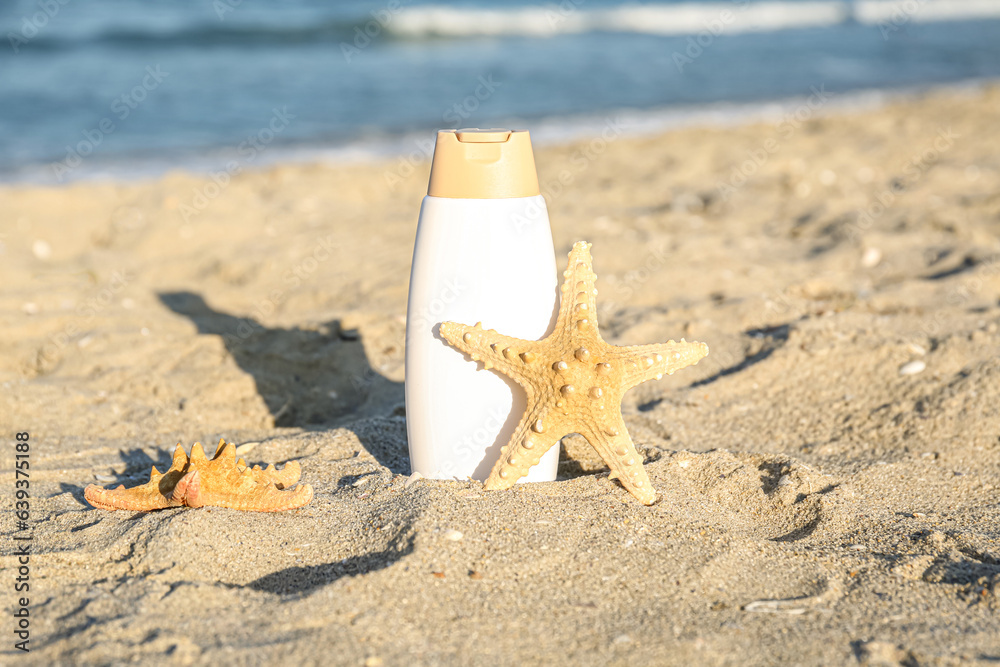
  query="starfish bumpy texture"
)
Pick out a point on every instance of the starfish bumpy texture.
point(575, 382)
point(197, 481)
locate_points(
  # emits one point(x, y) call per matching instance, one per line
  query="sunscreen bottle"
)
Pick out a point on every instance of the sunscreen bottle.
point(483, 253)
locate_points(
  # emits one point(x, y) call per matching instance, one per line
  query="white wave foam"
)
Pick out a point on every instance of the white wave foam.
point(679, 19)
point(924, 11)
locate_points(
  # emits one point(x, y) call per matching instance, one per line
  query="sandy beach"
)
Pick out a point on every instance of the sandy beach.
point(829, 476)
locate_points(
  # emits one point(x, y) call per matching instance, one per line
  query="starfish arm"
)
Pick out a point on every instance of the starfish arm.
point(506, 354)
point(153, 495)
point(613, 443)
point(271, 499)
point(143, 498)
point(283, 479)
point(238, 492)
point(180, 460)
point(647, 362)
point(525, 448)
point(224, 449)
point(578, 303)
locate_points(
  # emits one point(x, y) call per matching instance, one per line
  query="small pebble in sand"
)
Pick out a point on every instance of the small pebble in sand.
point(144, 331)
point(871, 257)
point(774, 607)
point(912, 368)
point(453, 535)
point(361, 481)
point(916, 349)
point(412, 479)
point(41, 249)
point(245, 448)
point(857, 547)
point(30, 308)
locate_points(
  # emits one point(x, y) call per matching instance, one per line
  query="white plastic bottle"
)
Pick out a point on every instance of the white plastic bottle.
point(483, 253)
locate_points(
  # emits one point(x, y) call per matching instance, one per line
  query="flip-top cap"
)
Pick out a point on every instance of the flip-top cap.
point(483, 164)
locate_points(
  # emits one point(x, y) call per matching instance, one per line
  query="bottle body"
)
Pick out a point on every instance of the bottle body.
point(474, 260)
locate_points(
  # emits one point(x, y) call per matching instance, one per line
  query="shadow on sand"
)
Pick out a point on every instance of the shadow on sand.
point(302, 580)
point(310, 378)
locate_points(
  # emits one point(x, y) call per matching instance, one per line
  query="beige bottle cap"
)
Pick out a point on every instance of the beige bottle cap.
point(483, 164)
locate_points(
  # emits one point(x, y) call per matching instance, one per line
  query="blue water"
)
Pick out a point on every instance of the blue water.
point(180, 84)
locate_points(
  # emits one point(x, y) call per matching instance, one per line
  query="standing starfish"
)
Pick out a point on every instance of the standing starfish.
point(575, 382)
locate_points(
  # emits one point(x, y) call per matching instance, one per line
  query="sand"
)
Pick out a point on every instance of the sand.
point(829, 476)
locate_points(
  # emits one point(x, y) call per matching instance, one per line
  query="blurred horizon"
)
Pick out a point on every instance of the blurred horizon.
point(120, 88)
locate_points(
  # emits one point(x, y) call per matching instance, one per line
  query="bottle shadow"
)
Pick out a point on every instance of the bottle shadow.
point(301, 580)
point(313, 378)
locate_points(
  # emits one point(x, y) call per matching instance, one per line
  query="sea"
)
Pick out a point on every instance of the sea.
point(95, 89)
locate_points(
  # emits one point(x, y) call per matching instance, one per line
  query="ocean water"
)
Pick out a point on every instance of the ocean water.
point(95, 88)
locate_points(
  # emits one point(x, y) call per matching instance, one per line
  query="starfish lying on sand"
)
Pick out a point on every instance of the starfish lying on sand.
point(574, 380)
point(196, 482)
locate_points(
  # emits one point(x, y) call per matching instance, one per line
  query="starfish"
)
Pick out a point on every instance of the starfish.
point(198, 481)
point(574, 380)
point(154, 495)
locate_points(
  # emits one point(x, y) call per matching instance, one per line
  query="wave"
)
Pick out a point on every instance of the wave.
point(545, 131)
point(200, 35)
point(738, 16)
point(675, 19)
point(441, 22)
